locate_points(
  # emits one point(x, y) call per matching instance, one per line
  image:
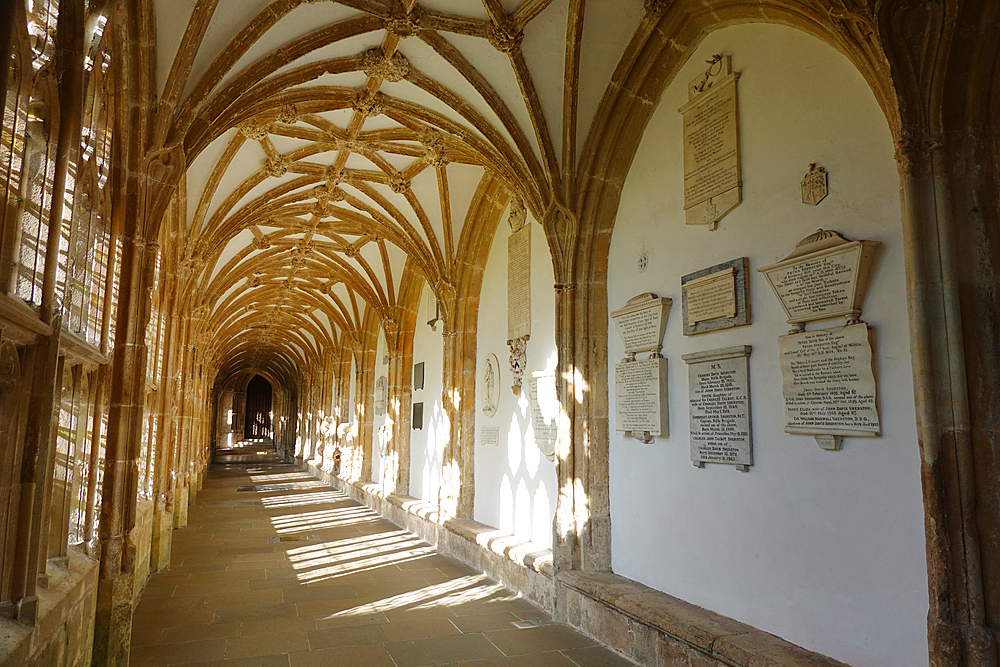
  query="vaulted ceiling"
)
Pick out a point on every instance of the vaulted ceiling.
point(330, 143)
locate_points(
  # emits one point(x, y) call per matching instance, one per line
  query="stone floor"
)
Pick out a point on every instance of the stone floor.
point(277, 569)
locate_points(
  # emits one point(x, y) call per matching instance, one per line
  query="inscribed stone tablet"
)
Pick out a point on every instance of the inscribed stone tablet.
point(828, 383)
point(640, 396)
point(519, 283)
point(711, 159)
point(717, 297)
point(489, 435)
point(544, 406)
point(719, 394)
point(818, 287)
point(641, 322)
point(380, 395)
point(711, 297)
point(712, 183)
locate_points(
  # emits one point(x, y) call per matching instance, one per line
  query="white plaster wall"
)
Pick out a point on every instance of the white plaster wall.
point(825, 549)
point(378, 439)
point(516, 485)
point(427, 444)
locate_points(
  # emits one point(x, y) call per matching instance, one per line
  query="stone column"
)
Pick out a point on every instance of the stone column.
point(113, 628)
point(31, 537)
point(365, 399)
point(182, 370)
point(399, 401)
point(458, 484)
point(957, 626)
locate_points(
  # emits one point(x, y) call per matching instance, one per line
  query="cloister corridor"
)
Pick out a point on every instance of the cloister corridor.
point(275, 568)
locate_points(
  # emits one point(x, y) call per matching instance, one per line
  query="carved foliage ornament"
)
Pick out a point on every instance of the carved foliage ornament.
point(398, 183)
point(656, 7)
point(433, 142)
point(277, 166)
point(288, 114)
point(369, 103)
point(504, 36)
point(391, 68)
point(253, 129)
point(403, 24)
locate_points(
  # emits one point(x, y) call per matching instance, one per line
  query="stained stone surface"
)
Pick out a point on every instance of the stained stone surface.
point(358, 591)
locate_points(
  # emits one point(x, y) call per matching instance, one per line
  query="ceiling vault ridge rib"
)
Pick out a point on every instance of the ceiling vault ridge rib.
point(347, 188)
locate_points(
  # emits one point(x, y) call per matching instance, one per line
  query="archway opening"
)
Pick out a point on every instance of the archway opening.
point(257, 424)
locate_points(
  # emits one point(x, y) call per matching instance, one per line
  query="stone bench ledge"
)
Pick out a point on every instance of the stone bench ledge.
point(727, 640)
point(529, 554)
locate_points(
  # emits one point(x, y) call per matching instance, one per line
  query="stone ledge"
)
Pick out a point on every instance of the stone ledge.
point(65, 621)
point(522, 566)
point(528, 554)
point(609, 608)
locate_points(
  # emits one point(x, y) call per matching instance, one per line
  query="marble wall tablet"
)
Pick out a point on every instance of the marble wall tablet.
point(828, 384)
point(719, 395)
point(712, 181)
point(641, 398)
point(826, 276)
point(544, 412)
point(519, 283)
point(641, 322)
point(717, 297)
point(380, 394)
point(489, 435)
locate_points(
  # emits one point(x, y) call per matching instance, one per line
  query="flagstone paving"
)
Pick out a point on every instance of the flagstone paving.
point(277, 569)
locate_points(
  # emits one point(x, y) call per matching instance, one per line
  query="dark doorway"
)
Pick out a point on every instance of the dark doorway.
point(258, 419)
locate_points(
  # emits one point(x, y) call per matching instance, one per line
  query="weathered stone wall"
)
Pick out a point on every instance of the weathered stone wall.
point(63, 634)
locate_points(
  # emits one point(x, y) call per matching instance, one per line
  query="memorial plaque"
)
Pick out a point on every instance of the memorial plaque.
point(825, 277)
point(719, 395)
point(418, 416)
point(489, 435)
point(519, 283)
point(828, 383)
point(418, 375)
point(716, 298)
point(640, 397)
point(544, 412)
point(712, 181)
point(641, 323)
point(380, 394)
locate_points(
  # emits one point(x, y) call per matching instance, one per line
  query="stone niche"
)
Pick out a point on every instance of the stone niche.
point(828, 382)
point(641, 384)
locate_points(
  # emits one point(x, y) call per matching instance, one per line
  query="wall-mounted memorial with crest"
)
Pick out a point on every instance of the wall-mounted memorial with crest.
point(713, 185)
point(641, 384)
point(828, 382)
